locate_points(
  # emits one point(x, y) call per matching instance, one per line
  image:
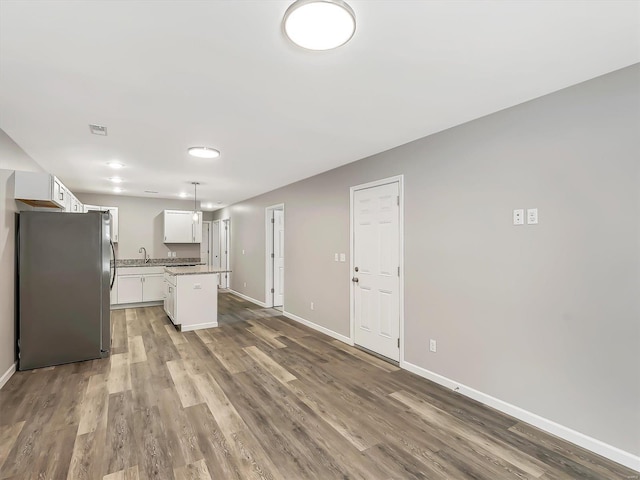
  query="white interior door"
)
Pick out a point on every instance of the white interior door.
point(376, 281)
point(278, 258)
point(215, 250)
point(205, 244)
point(224, 253)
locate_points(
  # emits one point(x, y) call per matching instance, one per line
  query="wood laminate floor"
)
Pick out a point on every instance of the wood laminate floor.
point(260, 397)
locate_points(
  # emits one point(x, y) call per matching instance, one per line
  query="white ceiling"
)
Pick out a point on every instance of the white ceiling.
point(166, 75)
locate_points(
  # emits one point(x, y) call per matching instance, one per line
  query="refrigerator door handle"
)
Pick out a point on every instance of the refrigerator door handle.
point(113, 279)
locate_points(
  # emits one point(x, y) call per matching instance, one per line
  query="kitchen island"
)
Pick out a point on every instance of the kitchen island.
point(191, 296)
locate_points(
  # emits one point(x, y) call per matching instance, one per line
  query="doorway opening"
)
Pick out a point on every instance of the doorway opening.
point(377, 271)
point(274, 256)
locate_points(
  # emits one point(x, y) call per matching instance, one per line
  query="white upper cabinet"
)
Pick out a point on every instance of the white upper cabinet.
point(43, 190)
point(179, 227)
point(114, 217)
point(76, 205)
point(39, 189)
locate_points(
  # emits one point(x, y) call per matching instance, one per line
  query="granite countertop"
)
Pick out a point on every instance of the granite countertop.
point(195, 270)
point(158, 262)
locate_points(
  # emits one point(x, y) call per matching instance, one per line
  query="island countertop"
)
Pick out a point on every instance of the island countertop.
point(194, 270)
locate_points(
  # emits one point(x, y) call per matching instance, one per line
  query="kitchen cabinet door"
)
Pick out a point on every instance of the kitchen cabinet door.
point(197, 229)
point(114, 292)
point(129, 289)
point(170, 302)
point(114, 218)
point(178, 226)
point(153, 288)
point(114, 227)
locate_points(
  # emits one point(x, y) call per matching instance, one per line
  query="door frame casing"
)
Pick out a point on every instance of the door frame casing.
point(268, 281)
point(376, 183)
point(210, 246)
point(226, 221)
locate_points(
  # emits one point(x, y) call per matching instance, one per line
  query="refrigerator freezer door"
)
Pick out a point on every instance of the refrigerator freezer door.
point(61, 288)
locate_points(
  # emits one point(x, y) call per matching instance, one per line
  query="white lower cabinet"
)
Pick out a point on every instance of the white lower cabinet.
point(114, 292)
point(129, 289)
point(139, 284)
point(152, 287)
point(170, 296)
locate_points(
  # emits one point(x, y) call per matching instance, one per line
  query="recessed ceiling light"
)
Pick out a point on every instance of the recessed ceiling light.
point(183, 194)
point(117, 190)
point(115, 179)
point(115, 165)
point(204, 152)
point(319, 24)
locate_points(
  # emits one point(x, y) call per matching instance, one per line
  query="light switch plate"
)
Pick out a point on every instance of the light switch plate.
point(169, 254)
point(518, 216)
point(532, 216)
point(336, 257)
point(173, 254)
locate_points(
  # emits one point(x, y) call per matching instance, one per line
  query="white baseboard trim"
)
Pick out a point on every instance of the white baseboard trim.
point(121, 306)
point(613, 453)
point(7, 375)
point(253, 300)
point(319, 328)
point(198, 326)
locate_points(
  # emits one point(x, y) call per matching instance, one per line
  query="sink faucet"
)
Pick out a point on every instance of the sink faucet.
point(146, 257)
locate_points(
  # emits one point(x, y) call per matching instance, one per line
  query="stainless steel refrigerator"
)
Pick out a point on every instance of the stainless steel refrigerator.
point(66, 267)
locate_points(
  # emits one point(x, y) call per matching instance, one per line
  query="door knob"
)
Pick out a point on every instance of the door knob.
point(355, 280)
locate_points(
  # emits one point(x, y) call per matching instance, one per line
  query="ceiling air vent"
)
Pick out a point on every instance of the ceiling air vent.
point(98, 129)
point(150, 191)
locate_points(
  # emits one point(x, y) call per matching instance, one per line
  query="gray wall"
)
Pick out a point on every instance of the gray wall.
point(141, 224)
point(12, 157)
point(544, 317)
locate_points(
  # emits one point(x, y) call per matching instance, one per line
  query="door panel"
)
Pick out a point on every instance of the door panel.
point(376, 256)
point(205, 244)
point(278, 258)
point(216, 244)
point(153, 288)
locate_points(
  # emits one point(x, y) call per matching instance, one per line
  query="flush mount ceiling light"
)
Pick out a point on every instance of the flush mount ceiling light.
point(115, 179)
point(115, 165)
point(118, 190)
point(183, 195)
point(204, 152)
point(319, 24)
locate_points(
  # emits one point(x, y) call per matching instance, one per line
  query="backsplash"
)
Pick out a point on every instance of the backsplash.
point(138, 262)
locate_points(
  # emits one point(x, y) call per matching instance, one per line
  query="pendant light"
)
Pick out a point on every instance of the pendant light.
point(195, 201)
point(319, 24)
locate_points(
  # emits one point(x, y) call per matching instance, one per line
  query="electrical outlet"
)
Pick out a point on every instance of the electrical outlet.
point(311, 305)
point(343, 257)
point(173, 254)
point(245, 284)
point(432, 345)
point(169, 254)
point(518, 216)
point(532, 216)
